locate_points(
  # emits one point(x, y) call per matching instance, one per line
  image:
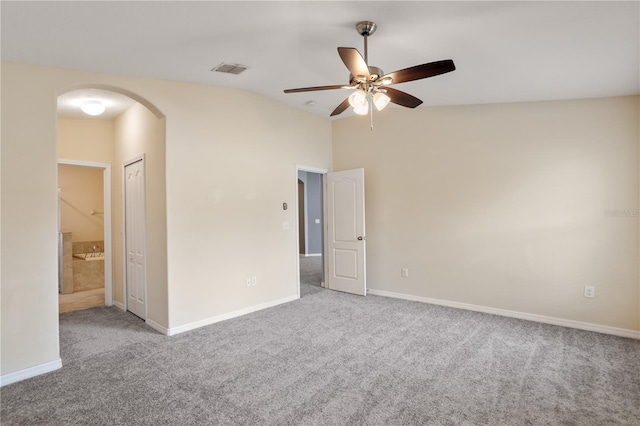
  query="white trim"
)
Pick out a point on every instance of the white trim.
point(316, 170)
point(108, 255)
point(30, 372)
point(311, 255)
point(191, 326)
point(622, 332)
point(119, 305)
point(161, 328)
point(325, 232)
point(108, 260)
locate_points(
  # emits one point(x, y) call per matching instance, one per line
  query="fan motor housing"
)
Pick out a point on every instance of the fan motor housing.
point(375, 73)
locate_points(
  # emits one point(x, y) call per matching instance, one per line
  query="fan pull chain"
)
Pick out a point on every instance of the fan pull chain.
point(371, 113)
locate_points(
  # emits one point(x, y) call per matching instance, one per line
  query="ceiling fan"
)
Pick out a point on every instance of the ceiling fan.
point(371, 85)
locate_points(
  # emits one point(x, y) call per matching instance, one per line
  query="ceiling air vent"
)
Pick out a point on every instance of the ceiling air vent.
point(230, 68)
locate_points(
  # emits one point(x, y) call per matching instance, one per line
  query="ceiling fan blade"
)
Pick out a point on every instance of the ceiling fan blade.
point(421, 71)
point(340, 108)
point(313, 89)
point(402, 98)
point(354, 62)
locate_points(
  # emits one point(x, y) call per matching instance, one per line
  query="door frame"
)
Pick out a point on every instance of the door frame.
point(125, 295)
point(323, 172)
point(108, 255)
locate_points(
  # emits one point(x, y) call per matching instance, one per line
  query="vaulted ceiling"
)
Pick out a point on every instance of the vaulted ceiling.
point(504, 51)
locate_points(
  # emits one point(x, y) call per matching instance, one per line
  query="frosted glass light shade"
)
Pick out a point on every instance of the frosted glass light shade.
point(92, 107)
point(358, 98)
point(362, 109)
point(380, 100)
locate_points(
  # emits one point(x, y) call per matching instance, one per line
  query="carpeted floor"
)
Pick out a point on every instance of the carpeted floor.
point(332, 359)
point(311, 274)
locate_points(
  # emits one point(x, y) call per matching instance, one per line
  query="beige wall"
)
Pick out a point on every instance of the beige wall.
point(86, 140)
point(29, 291)
point(230, 164)
point(81, 192)
point(496, 205)
point(504, 206)
point(139, 132)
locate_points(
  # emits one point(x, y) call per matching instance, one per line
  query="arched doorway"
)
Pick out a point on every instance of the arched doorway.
point(130, 129)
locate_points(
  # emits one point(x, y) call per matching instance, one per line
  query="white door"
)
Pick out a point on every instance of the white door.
point(134, 238)
point(346, 232)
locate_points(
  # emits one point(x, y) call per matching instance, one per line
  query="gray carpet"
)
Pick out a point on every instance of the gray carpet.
point(311, 274)
point(332, 359)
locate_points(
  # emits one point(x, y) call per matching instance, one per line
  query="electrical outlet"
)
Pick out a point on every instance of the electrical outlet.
point(254, 281)
point(248, 282)
point(589, 291)
point(405, 272)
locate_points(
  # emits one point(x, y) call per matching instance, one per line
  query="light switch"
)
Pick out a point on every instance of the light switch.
point(285, 226)
point(317, 220)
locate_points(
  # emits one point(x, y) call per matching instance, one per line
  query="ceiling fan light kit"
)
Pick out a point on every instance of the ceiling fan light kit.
point(381, 100)
point(370, 83)
point(358, 98)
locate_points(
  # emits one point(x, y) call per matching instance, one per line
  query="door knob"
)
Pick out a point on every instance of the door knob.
point(362, 238)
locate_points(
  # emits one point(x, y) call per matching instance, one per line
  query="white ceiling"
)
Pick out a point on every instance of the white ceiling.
point(504, 51)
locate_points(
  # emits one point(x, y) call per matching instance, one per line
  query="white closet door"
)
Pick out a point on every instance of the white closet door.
point(135, 238)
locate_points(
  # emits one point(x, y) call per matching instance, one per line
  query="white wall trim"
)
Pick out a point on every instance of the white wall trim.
point(300, 168)
point(158, 327)
point(30, 372)
point(208, 321)
point(311, 255)
point(622, 332)
point(119, 305)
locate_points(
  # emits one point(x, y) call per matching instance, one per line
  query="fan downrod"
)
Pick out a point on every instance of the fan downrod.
point(365, 29)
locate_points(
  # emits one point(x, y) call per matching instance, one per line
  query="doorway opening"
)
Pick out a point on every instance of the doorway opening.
point(128, 127)
point(341, 224)
point(84, 235)
point(310, 210)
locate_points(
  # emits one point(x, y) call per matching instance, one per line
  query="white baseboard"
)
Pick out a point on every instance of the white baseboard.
point(191, 326)
point(311, 255)
point(161, 328)
point(622, 332)
point(30, 372)
point(119, 305)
